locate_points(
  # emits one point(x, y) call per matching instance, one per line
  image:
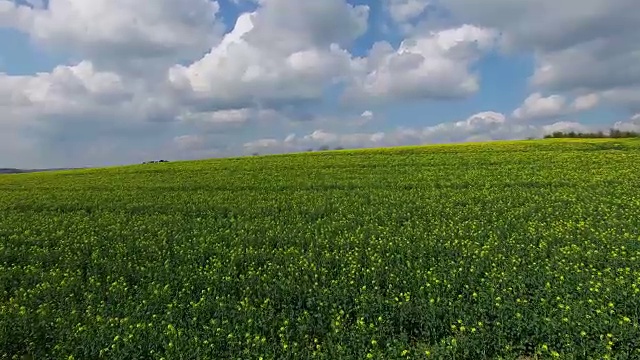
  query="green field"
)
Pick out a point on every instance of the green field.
point(520, 250)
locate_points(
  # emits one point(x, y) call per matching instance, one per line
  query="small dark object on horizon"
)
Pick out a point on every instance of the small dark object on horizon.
point(155, 162)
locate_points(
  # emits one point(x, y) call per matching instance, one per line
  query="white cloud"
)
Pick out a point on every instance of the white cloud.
point(288, 26)
point(321, 137)
point(586, 102)
point(148, 74)
point(261, 144)
point(403, 11)
point(633, 124)
point(66, 90)
point(14, 16)
point(565, 126)
point(548, 24)
point(585, 46)
point(222, 117)
point(482, 126)
point(285, 51)
point(118, 32)
point(221, 120)
point(315, 140)
point(366, 117)
point(434, 65)
point(77, 115)
point(536, 106)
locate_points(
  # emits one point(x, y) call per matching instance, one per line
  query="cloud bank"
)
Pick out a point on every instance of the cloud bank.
point(198, 78)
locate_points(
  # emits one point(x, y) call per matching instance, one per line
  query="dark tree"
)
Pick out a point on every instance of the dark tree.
point(613, 133)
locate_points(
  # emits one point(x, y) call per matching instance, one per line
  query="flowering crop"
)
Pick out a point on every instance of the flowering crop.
point(527, 249)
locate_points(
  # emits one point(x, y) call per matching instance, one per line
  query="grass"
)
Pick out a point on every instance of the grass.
point(515, 249)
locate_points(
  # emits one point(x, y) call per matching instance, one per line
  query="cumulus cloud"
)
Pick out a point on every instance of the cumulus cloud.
point(119, 32)
point(550, 25)
point(262, 144)
point(482, 126)
point(284, 51)
point(586, 46)
point(432, 66)
point(633, 124)
point(82, 92)
point(536, 106)
point(315, 140)
point(163, 79)
point(78, 115)
point(13, 15)
point(403, 11)
point(586, 102)
point(365, 118)
point(66, 90)
point(223, 120)
point(292, 25)
point(565, 126)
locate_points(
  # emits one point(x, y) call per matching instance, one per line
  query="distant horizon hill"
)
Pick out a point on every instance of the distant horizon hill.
point(22, 171)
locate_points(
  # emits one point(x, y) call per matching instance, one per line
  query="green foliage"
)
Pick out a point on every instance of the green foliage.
point(503, 250)
point(613, 133)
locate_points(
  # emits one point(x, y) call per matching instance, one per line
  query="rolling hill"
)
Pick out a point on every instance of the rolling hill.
point(518, 250)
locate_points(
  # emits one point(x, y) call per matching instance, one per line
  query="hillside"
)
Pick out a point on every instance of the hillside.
point(470, 251)
point(20, 171)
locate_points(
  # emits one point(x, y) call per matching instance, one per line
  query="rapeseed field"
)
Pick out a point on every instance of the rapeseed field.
point(501, 250)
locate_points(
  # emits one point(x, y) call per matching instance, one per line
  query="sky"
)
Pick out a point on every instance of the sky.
point(109, 82)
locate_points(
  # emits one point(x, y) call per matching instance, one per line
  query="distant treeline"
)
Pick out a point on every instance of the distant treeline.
point(613, 133)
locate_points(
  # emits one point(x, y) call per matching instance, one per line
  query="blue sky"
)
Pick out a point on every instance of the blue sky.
point(90, 83)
